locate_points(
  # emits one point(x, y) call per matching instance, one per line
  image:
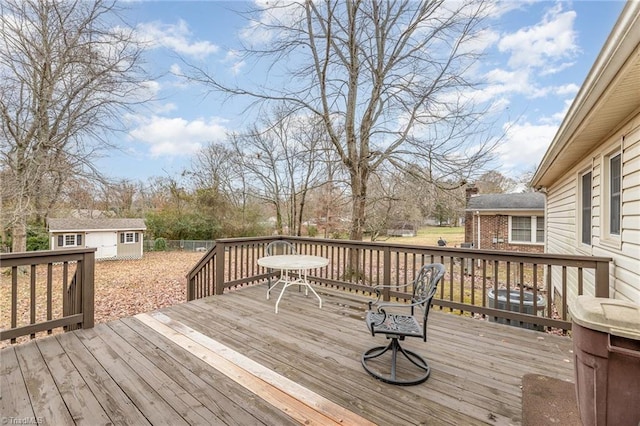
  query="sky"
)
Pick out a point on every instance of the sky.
point(538, 53)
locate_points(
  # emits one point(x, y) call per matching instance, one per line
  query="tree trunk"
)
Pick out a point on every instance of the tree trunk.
point(19, 235)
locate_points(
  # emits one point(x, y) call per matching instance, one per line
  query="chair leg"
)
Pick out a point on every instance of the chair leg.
point(395, 347)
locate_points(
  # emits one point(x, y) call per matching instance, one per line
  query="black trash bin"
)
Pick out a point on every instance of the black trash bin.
point(500, 302)
point(606, 342)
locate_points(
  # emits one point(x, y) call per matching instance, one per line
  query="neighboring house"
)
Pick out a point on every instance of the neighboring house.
point(591, 171)
point(113, 238)
point(505, 221)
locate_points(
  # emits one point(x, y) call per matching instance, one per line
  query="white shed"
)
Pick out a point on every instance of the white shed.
point(113, 238)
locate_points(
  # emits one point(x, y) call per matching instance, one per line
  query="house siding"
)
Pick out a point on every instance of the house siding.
point(562, 235)
point(54, 240)
point(130, 250)
point(101, 233)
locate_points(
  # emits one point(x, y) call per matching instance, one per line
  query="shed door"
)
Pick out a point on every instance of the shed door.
point(105, 242)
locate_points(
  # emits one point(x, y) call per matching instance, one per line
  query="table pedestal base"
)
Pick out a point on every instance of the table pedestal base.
point(286, 281)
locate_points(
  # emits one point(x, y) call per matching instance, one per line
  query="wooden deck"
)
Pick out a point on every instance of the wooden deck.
point(231, 360)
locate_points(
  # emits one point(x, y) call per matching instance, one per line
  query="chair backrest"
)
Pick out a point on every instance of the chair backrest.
point(424, 288)
point(280, 247)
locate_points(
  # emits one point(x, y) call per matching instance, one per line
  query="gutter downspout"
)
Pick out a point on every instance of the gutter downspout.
point(478, 232)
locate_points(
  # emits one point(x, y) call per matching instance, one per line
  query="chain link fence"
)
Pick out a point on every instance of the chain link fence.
point(160, 244)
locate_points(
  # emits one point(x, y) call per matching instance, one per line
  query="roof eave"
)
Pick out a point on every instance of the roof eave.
point(98, 230)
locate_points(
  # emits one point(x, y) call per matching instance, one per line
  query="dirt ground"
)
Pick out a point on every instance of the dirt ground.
point(122, 288)
point(129, 287)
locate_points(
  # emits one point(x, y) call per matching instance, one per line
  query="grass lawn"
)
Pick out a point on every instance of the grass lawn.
point(429, 236)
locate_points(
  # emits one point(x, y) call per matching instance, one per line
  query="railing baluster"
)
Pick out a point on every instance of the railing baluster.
point(33, 298)
point(580, 283)
point(14, 298)
point(49, 294)
point(396, 265)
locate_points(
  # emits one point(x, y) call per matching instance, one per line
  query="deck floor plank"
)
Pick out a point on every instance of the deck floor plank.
point(188, 407)
point(145, 397)
point(117, 405)
point(129, 373)
point(14, 398)
point(229, 404)
point(361, 339)
point(72, 387)
point(446, 394)
point(44, 395)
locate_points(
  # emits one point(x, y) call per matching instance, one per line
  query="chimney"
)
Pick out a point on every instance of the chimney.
point(470, 192)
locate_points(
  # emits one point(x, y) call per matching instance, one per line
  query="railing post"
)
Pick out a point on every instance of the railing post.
point(88, 296)
point(602, 279)
point(218, 285)
point(190, 285)
point(386, 274)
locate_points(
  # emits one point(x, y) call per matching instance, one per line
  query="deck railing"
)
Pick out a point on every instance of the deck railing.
point(60, 282)
point(472, 275)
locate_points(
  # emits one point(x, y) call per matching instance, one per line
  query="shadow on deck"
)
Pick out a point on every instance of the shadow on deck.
point(230, 359)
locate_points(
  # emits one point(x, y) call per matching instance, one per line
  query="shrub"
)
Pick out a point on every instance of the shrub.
point(312, 231)
point(160, 244)
point(37, 239)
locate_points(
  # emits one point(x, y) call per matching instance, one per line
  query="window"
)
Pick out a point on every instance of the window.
point(615, 185)
point(521, 228)
point(611, 198)
point(129, 237)
point(539, 229)
point(526, 229)
point(585, 203)
point(69, 240)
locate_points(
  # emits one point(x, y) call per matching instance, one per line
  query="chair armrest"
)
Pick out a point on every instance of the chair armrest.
point(378, 290)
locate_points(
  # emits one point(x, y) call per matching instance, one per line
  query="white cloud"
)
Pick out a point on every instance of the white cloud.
point(176, 136)
point(176, 70)
point(553, 39)
point(176, 37)
point(275, 17)
point(524, 145)
point(567, 89)
point(235, 59)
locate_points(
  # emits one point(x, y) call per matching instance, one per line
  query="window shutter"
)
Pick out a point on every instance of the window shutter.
point(79, 239)
point(137, 238)
point(122, 238)
point(60, 240)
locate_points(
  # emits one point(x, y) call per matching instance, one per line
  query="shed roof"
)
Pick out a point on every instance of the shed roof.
point(103, 224)
point(523, 201)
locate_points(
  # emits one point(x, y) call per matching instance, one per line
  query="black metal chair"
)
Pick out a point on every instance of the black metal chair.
point(397, 326)
point(274, 248)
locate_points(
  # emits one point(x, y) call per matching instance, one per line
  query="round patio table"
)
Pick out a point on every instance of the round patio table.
point(300, 264)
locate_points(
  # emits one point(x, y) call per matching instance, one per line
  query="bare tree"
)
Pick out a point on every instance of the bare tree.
point(494, 182)
point(281, 160)
point(388, 80)
point(67, 70)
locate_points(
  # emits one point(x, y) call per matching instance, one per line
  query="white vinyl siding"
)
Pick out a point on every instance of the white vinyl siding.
point(564, 208)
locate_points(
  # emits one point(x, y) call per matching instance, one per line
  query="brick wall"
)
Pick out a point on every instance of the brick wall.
point(495, 234)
